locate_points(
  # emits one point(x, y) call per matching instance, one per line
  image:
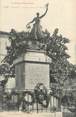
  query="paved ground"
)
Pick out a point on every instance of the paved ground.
point(21, 114)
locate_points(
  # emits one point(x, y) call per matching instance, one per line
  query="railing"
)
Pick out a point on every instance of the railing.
point(35, 100)
point(28, 101)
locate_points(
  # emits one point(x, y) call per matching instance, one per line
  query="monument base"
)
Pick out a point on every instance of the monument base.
point(32, 68)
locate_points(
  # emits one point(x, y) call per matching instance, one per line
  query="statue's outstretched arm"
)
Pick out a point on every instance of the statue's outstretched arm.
point(30, 22)
point(45, 11)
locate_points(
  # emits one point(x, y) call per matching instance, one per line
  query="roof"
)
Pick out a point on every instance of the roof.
point(4, 33)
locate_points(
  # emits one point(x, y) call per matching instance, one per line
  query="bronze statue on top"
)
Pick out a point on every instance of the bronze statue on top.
point(36, 31)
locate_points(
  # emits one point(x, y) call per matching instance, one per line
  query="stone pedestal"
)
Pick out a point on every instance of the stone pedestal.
point(31, 68)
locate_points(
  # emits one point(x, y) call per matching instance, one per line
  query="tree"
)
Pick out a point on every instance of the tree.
point(56, 49)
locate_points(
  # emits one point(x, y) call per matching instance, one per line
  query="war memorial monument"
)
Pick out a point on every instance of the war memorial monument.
point(36, 60)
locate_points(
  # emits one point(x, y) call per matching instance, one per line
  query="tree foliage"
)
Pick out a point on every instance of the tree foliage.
point(56, 49)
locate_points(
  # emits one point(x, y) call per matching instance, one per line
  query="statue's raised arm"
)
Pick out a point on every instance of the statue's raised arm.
point(45, 11)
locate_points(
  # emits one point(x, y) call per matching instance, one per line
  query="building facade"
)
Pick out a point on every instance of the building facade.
point(4, 42)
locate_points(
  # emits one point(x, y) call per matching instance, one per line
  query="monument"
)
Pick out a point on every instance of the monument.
point(28, 56)
point(32, 66)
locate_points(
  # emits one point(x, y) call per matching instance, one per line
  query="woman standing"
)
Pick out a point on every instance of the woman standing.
point(36, 31)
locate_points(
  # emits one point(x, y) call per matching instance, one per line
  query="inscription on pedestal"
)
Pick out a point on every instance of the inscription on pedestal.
point(32, 68)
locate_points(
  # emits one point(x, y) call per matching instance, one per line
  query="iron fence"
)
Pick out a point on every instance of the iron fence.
point(28, 101)
point(38, 100)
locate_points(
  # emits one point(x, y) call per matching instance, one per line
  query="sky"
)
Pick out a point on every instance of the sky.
point(61, 14)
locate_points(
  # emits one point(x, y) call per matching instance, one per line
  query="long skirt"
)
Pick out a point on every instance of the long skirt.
point(36, 32)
